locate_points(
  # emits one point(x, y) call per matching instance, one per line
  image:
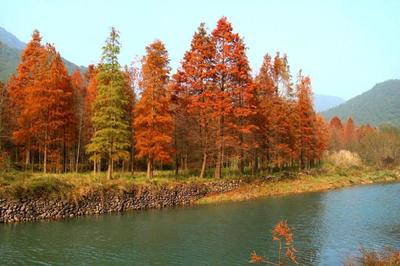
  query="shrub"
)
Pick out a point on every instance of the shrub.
point(344, 159)
point(283, 235)
point(388, 256)
point(380, 148)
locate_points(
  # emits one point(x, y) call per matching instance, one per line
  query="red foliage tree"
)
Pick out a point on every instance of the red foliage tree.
point(193, 91)
point(306, 122)
point(350, 136)
point(79, 93)
point(153, 121)
point(233, 96)
point(41, 95)
point(20, 88)
point(336, 134)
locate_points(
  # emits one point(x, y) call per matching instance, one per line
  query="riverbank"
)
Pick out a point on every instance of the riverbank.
point(33, 197)
point(97, 200)
point(304, 182)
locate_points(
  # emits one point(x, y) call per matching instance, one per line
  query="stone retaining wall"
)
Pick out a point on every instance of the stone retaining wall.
point(109, 201)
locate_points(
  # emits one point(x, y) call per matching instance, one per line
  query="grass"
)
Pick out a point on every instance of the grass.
point(16, 184)
point(22, 185)
point(328, 177)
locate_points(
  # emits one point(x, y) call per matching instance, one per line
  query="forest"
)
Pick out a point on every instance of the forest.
point(210, 117)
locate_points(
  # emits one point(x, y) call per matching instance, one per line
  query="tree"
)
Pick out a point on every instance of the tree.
point(275, 115)
point(20, 87)
point(53, 105)
point(380, 147)
point(321, 138)
point(233, 94)
point(153, 120)
point(284, 114)
point(88, 130)
point(79, 92)
point(4, 117)
point(130, 76)
point(306, 122)
point(111, 136)
point(193, 92)
point(350, 136)
point(41, 96)
point(363, 131)
point(336, 134)
point(265, 95)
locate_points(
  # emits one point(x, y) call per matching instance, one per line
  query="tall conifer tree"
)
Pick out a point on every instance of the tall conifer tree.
point(111, 136)
point(153, 123)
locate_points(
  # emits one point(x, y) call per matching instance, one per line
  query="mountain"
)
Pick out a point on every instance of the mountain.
point(10, 40)
point(10, 51)
point(9, 58)
point(324, 102)
point(380, 105)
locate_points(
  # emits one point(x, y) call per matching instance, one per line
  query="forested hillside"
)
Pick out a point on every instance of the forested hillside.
point(9, 58)
point(10, 52)
point(380, 105)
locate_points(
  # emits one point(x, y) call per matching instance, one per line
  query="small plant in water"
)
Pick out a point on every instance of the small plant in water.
point(282, 234)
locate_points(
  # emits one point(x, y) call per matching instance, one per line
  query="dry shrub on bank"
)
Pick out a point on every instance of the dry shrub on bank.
point(344, 159)
point(388, 256)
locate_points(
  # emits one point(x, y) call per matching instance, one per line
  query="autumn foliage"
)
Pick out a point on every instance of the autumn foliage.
point(42, 97)
point(228, 120)
point(211, 117)
point(344, 136)
point(282, 234)
point(153, 121)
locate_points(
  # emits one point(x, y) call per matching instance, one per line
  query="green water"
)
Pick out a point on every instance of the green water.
point(328, 228)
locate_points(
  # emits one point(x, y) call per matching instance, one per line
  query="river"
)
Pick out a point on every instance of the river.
point(328, 228)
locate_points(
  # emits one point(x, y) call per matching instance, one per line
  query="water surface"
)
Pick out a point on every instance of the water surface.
point(328, 227)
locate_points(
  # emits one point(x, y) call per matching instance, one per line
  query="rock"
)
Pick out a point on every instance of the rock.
point(99, 202)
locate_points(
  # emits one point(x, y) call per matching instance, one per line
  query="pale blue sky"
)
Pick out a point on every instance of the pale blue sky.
point(345, 46)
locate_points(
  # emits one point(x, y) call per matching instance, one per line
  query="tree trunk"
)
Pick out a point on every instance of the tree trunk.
point(132, 165)
point(218, 167)
point(176, 164)
point(64, 153)
point(149, 168)
point(241, 155)
point(255, 163)
point(78, 151)
point(27, 156)
point(45, 152)
point(203, 164)
point(217, 173)
point(186, 162)
point(45, 159)
point(110, 169)
point(176, 150)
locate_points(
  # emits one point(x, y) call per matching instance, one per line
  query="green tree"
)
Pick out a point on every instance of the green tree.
point(111, 136)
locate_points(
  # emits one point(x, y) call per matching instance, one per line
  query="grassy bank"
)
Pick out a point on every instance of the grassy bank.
point(72, 185)
point(324, 179)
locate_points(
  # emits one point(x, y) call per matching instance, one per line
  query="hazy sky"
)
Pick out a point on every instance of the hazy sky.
point(345, 46)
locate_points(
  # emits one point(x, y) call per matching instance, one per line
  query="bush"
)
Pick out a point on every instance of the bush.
point(388, 256)
point(380, 148)
point(344, 159)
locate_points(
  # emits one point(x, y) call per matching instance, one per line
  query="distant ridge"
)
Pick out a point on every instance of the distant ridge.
point(10, 40)
point(325, 102)
point(380, 105)
point(10, 51)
